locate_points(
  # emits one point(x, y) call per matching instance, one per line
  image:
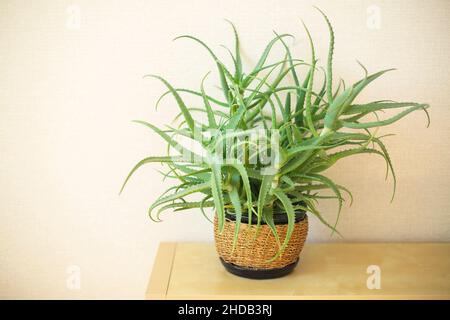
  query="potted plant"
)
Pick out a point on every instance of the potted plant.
point(259, 156)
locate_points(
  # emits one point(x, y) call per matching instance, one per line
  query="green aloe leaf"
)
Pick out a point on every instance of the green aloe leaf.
point(216, 190)
point(267, 215)
point(263, 58)
point(221, 69)
point(235, 201)
point(178, 195)
point(333, 187)
point(209, 111)
point(308, 103)
point(311, 208)
point(184, 151)
point(366, 125)
point(149, 160)
point(187, 115)
point(193, 92)
point(378, 106)
point(246, 182)
point(237, 57)
point(361, 84)
point(331, 119)
point(284, 199)
point(301, 100)
point(329, 76)
point(296, 162)
point(185, 205)
point(266, 185)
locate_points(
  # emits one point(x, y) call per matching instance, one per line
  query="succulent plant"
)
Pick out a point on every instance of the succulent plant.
point(266, 144)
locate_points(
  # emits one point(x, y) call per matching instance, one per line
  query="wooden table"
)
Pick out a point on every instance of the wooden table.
point(325, 271)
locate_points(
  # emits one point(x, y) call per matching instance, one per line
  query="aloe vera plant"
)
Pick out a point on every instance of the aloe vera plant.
point(267, 141)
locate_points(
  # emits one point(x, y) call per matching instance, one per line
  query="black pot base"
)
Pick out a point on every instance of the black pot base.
point(258, 273)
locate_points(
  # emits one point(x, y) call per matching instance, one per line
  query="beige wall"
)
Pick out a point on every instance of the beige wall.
point(67, 96)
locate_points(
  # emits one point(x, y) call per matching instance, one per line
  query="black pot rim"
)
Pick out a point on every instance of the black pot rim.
point(278, 218)
point(259, 274)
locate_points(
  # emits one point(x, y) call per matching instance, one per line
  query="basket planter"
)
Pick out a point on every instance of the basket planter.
point(251, 256)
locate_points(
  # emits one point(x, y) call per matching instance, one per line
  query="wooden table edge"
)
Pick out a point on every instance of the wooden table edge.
point(158, 283)
point(309, 297)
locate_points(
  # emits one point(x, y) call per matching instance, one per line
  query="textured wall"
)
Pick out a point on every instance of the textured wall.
point(69, 88)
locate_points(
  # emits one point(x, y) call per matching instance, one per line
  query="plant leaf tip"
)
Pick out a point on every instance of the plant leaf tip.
point(179, 37)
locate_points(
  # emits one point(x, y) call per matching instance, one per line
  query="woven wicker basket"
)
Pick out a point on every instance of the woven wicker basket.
point(255, 252)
